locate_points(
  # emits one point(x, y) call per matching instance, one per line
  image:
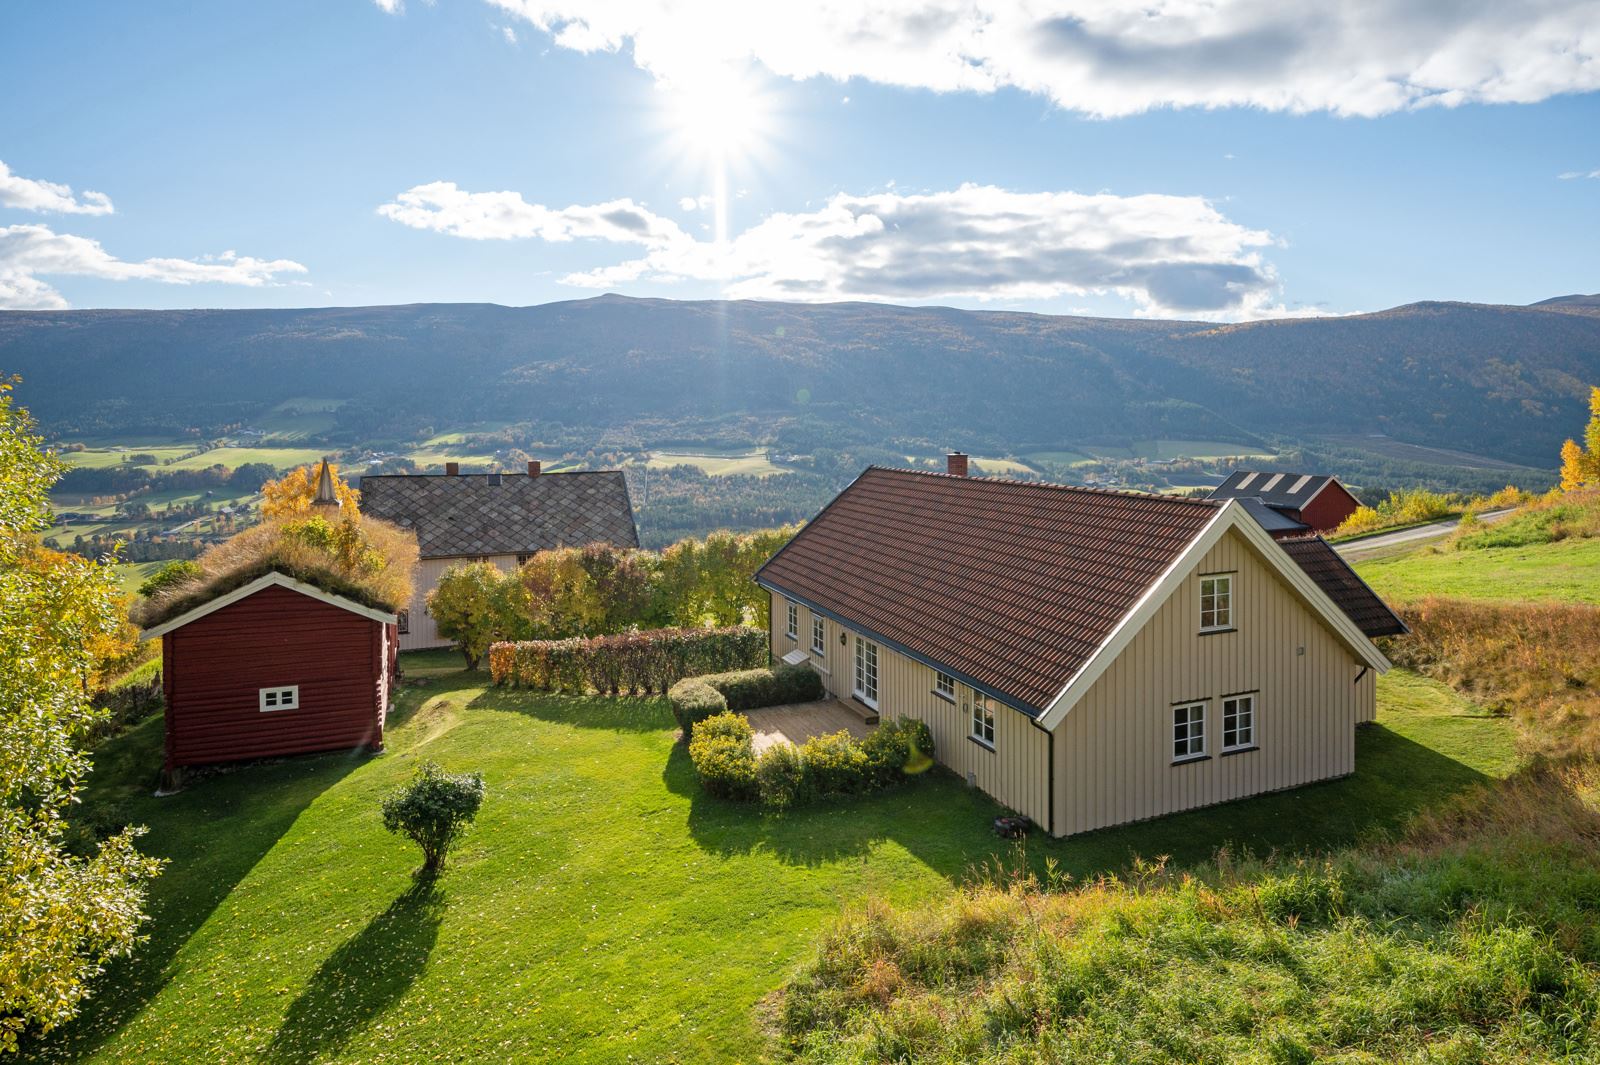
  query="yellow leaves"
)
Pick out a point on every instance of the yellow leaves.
point(290, 496)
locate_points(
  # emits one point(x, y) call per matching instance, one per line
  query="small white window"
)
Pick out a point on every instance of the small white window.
point(404, 622)
point(982, 719)
point(1216, 602)
point(944, 684)
point(819, 636)
point(793, 628)
point(280, 698)
point(1188, 732)
point(1238, 722)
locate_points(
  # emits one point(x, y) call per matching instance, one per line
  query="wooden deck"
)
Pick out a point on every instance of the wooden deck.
point(798, 722)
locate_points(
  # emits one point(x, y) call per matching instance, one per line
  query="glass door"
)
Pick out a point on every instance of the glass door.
point(866, 688)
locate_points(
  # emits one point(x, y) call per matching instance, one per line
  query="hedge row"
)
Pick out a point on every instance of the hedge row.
point(633, 662)
point(696, 698)
point(823, 767)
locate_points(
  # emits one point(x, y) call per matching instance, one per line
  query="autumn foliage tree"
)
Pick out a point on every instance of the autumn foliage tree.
point(1580, 465)
point(290, 496)
point(474, 605)
point(62, 916)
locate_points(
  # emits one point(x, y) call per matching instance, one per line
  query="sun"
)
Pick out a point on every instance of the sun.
point(719, 122)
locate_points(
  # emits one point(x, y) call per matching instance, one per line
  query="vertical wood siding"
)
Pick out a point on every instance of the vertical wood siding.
point(215, 667)
point(423, 632)
point(1015, 773)
point(1114, 749)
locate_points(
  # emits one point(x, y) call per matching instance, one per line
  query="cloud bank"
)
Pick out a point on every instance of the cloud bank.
point(1171, 256)
point(28, 194)
point(27, 251)
point(1106, 58)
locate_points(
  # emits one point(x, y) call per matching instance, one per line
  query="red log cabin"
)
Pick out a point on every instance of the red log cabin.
point(275, 667)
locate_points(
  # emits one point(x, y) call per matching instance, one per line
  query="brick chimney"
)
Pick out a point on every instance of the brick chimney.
point(955, 464)
point(533, 467)
point(452, 469)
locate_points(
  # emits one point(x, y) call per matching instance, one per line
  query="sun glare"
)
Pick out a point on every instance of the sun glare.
point(719, 122)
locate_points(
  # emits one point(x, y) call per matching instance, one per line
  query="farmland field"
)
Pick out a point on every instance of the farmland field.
point(1181, 449)
point(280, 458)
point(753, 462)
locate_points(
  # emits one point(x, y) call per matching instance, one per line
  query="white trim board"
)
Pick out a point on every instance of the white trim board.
point(268, 580)
point(1231, 516)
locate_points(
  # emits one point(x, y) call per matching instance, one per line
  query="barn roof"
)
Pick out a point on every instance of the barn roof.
point(457, 515)
point(1013, 586)
point(270, 579)
point(1292, 491)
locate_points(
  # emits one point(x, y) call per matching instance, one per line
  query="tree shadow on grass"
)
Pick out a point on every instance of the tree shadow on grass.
point(947, 825)
point(213, 834)
point(367, 974)
point(619, 713)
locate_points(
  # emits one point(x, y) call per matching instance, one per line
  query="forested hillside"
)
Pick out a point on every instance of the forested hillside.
point(1506, 382)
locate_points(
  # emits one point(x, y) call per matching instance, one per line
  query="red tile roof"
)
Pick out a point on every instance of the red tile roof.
point(1009, 584)
point(1325, 566)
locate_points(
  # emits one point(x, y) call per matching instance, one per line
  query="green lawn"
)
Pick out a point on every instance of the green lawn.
point(1565, 571)
point(602, 907)
point(280, 458)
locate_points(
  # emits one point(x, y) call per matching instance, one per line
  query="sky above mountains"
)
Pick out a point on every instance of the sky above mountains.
point(1223, 160)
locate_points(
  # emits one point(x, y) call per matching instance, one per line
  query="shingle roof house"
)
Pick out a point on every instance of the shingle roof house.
point(1317, 501)
point(1086, 656)
point(495, 517)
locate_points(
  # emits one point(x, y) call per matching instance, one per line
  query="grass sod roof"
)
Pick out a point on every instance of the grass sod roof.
point(266, 548)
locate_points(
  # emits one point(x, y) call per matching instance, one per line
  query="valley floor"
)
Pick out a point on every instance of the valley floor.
point(603, 907)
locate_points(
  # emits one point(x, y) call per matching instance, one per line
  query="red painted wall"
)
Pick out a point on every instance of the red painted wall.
point(215, 666)
point(1330, 507)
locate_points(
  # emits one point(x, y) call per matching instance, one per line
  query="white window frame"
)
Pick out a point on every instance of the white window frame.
point(1188, 736)
point(1217, 602)
point(402, 619)
point(819, 636)
point(866, 672)
point(1242, 704)
point(792, 621)
point(944, 685)
point(286, 697)
point(980, 718)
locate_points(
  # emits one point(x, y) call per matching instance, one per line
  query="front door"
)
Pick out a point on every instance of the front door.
point(866, 687)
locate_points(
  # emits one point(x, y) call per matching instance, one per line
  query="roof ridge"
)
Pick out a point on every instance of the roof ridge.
point(1129, 493)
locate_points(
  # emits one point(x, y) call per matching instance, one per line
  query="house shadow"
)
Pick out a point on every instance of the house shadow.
point(212, 834)
point(948, 826)
point(366, 975)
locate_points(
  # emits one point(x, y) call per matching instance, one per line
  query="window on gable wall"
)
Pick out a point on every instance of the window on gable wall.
point(1216, 602)
point(1238, 722)
point(1188, 732)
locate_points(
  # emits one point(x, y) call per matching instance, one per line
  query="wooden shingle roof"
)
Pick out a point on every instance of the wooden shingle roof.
point(1010, 584)
point(504, 513)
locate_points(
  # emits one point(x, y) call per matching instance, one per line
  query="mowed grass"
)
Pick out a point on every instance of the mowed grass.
point(279, 458)
point(1567, 571)
point(102, 458)
point(753, 463)
point(602, 908)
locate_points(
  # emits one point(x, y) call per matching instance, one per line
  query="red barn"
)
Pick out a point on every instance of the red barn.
point(275, 667)
point(1317, 501)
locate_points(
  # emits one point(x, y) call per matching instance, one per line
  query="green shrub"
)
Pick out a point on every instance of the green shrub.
point(834, 764)
point(693, 700)
point(628, 661)
point(723, 756)
point(780, 777)
point(897, 748)
point(434, 809)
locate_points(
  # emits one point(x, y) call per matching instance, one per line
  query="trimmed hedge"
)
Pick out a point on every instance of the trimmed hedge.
point(823, 767)
point(635, 662)
point(696, 698)
point(723, 756)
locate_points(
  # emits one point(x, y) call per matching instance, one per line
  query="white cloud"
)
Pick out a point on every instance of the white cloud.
point(29, 251)
point(695, 203)
point(509, 34)
point(1105, 57)
point(32, 195)
point(1169, 255)
point(389, 7)
point(1571, 174)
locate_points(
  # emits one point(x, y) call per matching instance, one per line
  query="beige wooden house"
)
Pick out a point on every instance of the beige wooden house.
point(499, 518)
point(1086, 657)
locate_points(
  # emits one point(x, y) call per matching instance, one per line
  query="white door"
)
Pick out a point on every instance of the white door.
point(866, 688)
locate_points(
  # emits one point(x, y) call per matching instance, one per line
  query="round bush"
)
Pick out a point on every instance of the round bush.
point(434, 809)
point(780, 778)
point(723, 756)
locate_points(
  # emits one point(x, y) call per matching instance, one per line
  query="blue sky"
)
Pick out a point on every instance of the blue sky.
point(1229, 166)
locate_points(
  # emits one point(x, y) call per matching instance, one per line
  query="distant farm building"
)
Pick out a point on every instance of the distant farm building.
point(274, 667)
point(501, 518)
point(1318, 502)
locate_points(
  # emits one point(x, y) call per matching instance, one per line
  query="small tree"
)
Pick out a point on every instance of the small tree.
point(434, 809)
point(290, 496)
point(474, 605)
point(179, 571)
